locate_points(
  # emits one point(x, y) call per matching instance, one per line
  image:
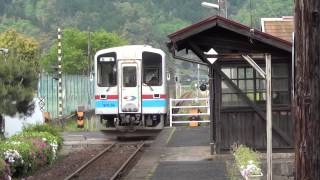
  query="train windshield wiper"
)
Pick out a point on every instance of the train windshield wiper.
point(148, 86)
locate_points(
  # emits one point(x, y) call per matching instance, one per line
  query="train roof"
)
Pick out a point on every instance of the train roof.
point(130, 51)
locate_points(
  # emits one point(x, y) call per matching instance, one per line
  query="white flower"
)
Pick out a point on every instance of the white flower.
point(12, 156)
point(44, 139)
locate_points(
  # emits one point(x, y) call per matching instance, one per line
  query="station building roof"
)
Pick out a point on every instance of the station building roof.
point(227, 36)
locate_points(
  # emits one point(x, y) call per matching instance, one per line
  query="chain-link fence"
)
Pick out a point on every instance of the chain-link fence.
point(77, 90)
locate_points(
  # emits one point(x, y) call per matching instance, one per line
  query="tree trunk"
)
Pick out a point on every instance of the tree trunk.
point(306, 104)
point(1, 126)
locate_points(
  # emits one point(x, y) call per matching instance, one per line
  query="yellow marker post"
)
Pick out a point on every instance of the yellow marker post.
point(193, 123)
point(80, 119)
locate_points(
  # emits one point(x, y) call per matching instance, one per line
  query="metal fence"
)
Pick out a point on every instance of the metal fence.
point(77, 90)
point(197, 103)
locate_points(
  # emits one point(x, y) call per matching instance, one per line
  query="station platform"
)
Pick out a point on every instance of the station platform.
point(180, 153)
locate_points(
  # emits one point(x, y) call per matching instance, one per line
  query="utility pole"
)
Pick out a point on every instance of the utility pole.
point(60, 101)
point(223, 9)
point(306, 104)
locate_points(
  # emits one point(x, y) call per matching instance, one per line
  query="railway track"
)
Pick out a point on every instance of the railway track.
point(110, 163)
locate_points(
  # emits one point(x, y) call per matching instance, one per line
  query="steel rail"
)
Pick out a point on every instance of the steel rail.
point(117, 174)
point(89, 162)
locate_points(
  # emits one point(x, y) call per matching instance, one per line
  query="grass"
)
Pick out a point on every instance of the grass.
point(70, 125)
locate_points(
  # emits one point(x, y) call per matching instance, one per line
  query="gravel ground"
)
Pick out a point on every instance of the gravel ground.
point(65, 165)
point(109, 163)
point(103, 168)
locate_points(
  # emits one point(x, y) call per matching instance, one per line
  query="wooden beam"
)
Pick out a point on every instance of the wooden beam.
point(243, 96)
point(235, 55)
point(217, 105)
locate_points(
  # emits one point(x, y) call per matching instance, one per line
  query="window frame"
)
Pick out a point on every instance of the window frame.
point(114, 73)
point(256, 86)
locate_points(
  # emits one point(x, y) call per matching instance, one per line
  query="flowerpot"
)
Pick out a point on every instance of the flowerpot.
point(255, 177)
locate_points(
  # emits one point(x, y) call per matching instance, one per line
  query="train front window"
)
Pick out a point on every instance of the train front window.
point(129, 76)
point(107, 70)
point(152, 68)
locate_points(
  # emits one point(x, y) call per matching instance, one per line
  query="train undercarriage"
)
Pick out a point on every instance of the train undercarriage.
point(132, 122)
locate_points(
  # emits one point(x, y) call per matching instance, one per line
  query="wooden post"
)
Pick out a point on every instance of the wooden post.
point(269, 116)
point(306, 105)
point(212, 111)
point(217, 109)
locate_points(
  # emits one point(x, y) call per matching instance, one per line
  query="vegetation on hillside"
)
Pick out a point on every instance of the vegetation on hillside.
point(136, 21)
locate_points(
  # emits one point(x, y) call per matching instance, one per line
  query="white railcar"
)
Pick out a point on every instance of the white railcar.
point(130, 88)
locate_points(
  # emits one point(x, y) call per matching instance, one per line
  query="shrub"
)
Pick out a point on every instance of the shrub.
point(54, 141)
point(30, 150)
point(16, 155)
point(42, 128)
point(4, 170)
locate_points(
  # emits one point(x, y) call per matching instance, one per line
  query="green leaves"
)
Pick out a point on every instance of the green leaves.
point(18, 73)
point(75, 50)
point(262, 9)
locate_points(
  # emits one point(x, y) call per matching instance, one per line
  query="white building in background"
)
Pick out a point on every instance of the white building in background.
point(14, 124)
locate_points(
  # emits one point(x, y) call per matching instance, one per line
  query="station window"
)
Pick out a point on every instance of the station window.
point(254, 86)
point(107, 70)
point(152, 68)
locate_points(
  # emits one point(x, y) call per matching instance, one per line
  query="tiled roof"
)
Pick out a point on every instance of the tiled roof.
point(279, 27)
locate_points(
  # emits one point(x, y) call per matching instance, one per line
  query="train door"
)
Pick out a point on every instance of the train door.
point(130, 87)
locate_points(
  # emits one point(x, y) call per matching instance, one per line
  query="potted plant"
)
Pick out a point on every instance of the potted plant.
point(248, 162)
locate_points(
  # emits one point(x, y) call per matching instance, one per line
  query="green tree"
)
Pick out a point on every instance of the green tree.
point(75, 48)
point(18, 73)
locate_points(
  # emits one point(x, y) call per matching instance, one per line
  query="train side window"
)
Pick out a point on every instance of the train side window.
point(152, 68)
point(107, 70)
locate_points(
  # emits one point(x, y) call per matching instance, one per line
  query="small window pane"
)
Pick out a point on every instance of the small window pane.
point(241, 73)
point(261, 84)
point(280, 98)
point(249, 84)
point(224, 86)
point(234, 73)
point(227, 72)
point(249, 73)
point(261, 96)
point(250, 96)
point(280, 84)
point(279, 70)
point(242, 85)
point(129, 76)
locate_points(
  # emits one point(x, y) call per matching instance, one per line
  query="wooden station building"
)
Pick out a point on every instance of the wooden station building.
point(237, 91)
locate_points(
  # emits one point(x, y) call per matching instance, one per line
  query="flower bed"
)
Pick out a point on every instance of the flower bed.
point(29, 150)
point(248, 162)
